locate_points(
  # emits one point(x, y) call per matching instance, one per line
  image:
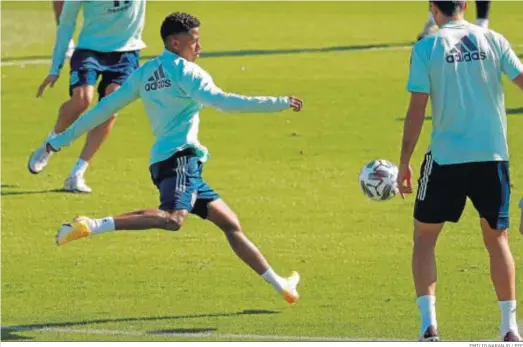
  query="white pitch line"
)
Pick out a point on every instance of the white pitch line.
point(196, 335)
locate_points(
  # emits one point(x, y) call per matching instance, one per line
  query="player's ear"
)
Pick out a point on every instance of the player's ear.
point(171, 43)
point(434, 9)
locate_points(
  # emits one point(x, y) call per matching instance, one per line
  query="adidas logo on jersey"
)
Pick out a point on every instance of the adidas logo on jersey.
point(157, 80)
point(465, 50)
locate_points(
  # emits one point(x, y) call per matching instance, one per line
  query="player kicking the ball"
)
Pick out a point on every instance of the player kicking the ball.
point(173, 89)
point(460, 68)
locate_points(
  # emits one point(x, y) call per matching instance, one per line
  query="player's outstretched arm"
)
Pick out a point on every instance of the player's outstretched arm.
point(64, 33)
point(200, 86)
point(109, 105)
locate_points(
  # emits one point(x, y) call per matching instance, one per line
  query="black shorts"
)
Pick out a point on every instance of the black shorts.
point(443, 191)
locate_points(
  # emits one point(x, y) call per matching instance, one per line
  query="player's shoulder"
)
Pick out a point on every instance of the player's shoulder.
point(426, 44)
point(498, 37)
point(192, 69)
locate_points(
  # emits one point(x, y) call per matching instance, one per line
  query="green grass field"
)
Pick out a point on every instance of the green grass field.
point(292, 179)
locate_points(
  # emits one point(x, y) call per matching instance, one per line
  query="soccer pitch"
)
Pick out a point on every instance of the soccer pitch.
point(291, 178)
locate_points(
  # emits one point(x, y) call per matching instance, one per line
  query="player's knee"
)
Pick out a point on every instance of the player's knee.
point(81, 100)
point(424, 240)
point(173, 221)
point(232, 226)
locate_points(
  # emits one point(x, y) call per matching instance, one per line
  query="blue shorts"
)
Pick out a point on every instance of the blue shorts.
point(444, 189)
point(179, 180)
point(115, 67)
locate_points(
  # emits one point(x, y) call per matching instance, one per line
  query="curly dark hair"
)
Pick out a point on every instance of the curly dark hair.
point(450, 8)
point(178, 23)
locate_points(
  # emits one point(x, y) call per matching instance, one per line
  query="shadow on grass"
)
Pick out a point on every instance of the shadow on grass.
point(515, 110)
point(253, 52)
point(29, 192)
point(182, 331)
point(8, 333)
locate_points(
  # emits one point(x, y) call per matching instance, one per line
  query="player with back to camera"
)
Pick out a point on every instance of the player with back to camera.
point(482, 14)
point(460, 68)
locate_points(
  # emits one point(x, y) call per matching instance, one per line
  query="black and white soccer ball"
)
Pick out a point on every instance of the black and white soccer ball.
point(378, 180)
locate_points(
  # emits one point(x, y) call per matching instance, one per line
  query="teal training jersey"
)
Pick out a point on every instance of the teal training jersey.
point(460, 67)
point(173, 92)
point(109, 26)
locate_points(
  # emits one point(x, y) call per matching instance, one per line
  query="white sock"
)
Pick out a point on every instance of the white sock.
point(482, 22)
point(102, 225)
point(508, 317)
point(79, 168)
point(427, 308)
point(272, 277)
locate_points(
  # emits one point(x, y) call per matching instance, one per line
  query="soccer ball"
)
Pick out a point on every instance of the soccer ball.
point(378, 180)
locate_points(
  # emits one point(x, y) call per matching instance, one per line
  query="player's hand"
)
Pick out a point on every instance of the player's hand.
point(295, 103)
point(48, 81)
point(404, 180)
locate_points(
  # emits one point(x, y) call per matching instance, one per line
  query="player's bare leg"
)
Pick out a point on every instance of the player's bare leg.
point(82, 227)
point(224, 218)
point(503, 275)
point(98, 135)
point(75, 182)
point(58, 5)
point(69, 111)
point(151, 219)
point(219, 213)
point(425, 275)
point(72, 109)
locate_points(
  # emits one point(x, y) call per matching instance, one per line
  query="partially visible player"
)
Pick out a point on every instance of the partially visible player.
point(57, 9)
point(108, 47)
point(460, 68)
point(482, 12)
point(173, 90)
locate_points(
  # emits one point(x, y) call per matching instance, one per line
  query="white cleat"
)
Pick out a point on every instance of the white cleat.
point(39, 159)
point(289, 292)
point(76, 184)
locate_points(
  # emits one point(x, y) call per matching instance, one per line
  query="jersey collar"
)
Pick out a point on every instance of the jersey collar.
point(455, 24)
